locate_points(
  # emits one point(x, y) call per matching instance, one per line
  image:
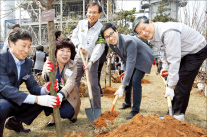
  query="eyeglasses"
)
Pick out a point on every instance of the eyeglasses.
point(90, 13)
point(110, 35)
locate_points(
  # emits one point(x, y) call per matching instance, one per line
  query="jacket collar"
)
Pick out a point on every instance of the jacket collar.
point(156, 36)
point(95, 26)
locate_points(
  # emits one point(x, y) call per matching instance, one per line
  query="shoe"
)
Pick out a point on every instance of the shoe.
point(49, 124)
point(73, 120)
point(131, 115)
point(124, 106)
point(179, 117)
point(16, 126)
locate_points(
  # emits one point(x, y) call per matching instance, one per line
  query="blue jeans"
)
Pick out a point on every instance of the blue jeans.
point(66, 110)
point(136, 84)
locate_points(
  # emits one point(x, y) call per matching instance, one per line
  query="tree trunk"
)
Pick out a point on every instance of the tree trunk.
point(52, 47)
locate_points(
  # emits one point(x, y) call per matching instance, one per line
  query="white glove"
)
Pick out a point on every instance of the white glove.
point(169, 92)
point(119, 92)
point(61, 97)
point(88, 66)
point(46, 100)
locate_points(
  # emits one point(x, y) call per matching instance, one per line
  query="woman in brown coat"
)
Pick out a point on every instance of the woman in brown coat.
point(66, 75)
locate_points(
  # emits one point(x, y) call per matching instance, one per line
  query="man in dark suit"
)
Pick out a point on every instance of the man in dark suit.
point(137, 58)
point(15, 68)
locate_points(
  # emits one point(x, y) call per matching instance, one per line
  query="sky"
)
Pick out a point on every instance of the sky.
point(128, 4)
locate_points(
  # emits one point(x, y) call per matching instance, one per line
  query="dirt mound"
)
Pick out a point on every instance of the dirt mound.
point(104, 118)
point(83, 90)
point(109, 93)
point(152, 126)
point(144, 81)
point(116, 78)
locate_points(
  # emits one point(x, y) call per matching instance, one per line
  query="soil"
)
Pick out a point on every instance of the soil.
point(105, 117)
point(109, 93)
point(144, 81)
point(152, 126)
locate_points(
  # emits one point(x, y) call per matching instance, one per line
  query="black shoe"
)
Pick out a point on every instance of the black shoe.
point(124, 106)
point(16, 126)
point(131, 115)
point(73, 120)
point(49, 124)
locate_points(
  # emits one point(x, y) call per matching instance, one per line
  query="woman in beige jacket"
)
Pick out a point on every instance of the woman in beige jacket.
point(66, 75)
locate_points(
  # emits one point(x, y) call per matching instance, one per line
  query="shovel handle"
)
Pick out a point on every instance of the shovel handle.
point(169, 103)
point(114, 103)
point(85, 61)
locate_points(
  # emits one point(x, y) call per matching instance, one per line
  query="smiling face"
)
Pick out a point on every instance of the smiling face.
point(111, 36)
point(145, 30)
point(63, 55)
point(20, 49)
point(93, 14)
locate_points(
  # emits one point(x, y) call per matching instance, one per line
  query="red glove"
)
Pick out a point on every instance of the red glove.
point(50, 66)
point(57, 103)
point(122, 75)
point(55, 86)
point(153, 61)
point(164, 73)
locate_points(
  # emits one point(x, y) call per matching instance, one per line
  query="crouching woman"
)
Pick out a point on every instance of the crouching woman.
point(66, 74)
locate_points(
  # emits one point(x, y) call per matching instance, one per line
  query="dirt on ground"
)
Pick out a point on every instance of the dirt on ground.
point(144, 81)
point(152, 126)
point(104, 118)
point(145, 125)
point(109, 92)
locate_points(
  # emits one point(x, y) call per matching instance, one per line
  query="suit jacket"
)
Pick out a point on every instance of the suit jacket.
point(134, 54)
point(9, 83)
point(70, 90)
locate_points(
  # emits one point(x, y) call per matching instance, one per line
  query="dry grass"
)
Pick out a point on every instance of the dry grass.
point(152, 102)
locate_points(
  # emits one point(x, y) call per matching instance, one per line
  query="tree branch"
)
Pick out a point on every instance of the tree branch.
point(40, 3)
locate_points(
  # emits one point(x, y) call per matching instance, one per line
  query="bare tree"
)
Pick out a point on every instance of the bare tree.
point(194, 16)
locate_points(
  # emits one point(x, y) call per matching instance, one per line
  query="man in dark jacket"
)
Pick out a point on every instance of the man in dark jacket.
point(15, 68)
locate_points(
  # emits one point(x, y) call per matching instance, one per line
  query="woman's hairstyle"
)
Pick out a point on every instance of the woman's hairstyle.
point(65, 44)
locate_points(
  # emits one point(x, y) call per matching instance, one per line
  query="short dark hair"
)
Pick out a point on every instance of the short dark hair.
point(57, 33)
point(15, 25)
point(63, 43)
point(19, 34)
point(93, 4)
point(40, 48)
point(138, 20)
point(106, 26)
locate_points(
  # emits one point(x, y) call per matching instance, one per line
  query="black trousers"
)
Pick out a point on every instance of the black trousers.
point(99, 75)
point(25, 113)
point(189, 68)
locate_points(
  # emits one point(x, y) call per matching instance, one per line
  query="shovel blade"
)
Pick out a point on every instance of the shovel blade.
point(92, 114)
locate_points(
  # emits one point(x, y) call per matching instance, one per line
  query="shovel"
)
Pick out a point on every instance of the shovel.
point(180, 116)
point(114, 103)
point(91, 113)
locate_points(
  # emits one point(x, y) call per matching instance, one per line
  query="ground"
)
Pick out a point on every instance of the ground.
point(153, 102)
